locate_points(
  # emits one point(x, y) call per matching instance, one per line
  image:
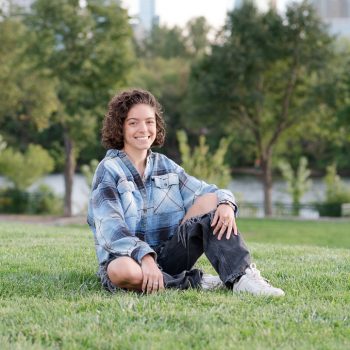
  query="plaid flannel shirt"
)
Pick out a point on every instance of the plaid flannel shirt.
point(130, 215)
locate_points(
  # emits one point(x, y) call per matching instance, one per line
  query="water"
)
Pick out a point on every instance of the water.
point(247, 189)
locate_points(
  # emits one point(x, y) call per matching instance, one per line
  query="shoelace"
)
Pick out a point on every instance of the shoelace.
point(255, 274)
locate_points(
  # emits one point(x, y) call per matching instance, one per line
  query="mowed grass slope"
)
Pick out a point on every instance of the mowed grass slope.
point(51, 299)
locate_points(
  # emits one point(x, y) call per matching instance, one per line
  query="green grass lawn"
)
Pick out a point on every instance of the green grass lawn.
point(51, 299)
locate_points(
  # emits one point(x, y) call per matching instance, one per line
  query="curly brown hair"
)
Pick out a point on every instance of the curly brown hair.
point(118, 109)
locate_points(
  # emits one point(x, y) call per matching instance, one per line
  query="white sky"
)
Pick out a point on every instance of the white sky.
point(178, 12)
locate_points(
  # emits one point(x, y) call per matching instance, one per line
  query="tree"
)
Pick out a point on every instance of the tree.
point(197, 36)
point(164, 42)
point(87, 50)
point(258, 77)
point(27, 98)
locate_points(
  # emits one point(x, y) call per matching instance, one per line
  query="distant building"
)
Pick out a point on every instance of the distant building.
point(262, 5)
point(336, 13)
point(147, 14)
point(147, 18)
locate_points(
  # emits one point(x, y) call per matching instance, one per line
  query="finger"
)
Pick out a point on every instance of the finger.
point(223, 229)
point(149, 286)
point(156, 285)
point(217, 227)
point(229, 230)
point(215, 219)
point(235, 230)
point(161, 283)
point(144, 284)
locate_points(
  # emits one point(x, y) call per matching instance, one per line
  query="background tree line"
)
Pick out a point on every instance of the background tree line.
point(278, 85)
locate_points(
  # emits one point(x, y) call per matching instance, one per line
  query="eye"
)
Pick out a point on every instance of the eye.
point(151, 122)
point(132, 123)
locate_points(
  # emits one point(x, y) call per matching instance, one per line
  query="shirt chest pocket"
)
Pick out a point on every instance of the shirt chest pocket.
point(126, 190)
point(166, 194)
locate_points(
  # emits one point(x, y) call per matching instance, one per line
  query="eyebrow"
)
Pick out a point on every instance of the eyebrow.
point(131, 118)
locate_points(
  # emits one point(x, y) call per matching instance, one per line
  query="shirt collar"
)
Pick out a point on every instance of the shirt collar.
point(113, 152)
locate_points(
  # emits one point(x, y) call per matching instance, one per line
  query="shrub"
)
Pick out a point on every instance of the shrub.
point(41, 201)
point(45, 201)
point(14, 201)
point(88, 171)
point(337, 193)
point(23, 169)
point(200, 163)
point(298, 182)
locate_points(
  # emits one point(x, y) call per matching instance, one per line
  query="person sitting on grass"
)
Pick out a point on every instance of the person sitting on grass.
point(152, 221)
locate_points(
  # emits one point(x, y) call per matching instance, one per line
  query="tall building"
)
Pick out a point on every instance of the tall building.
point(262, 5)
point(336, 13)
point(147, 14)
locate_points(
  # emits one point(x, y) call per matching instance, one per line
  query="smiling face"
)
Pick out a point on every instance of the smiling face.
point(139, 129)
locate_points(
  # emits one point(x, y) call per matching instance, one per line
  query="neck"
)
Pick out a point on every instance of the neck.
point(137, 158)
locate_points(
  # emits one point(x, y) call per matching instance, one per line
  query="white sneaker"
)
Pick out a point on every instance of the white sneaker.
point(252, 282)
point(210, 282)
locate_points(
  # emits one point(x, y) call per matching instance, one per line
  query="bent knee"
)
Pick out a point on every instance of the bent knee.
point(124, 272)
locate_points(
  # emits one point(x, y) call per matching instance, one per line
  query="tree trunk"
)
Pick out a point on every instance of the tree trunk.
point(69, 170)
point(267, 182)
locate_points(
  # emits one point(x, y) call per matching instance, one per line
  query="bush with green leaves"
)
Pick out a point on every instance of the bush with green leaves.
point(337, 193)
point(202, 164)
point(88, 171)
point(41, 201)
point(45, 201)
point(23, 169)
point(298, 182)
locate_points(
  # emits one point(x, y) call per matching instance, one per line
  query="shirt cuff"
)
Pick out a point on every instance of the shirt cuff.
point(139, 252)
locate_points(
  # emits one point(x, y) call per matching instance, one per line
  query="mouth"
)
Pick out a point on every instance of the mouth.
point(142, 138)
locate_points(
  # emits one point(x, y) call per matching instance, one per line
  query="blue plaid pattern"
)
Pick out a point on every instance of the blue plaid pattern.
point(130, 215)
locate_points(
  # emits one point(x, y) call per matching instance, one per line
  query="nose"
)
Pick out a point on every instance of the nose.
point(143, 127)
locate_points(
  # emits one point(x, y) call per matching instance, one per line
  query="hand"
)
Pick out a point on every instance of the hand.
point(224, 221)
point(152, 280)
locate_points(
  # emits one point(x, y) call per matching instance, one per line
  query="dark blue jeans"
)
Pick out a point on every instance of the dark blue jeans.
point(176, 257)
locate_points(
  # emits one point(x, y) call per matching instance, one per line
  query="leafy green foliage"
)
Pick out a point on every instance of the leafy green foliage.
point(87, 51)
point(336, 190)
point(23, 169)
point(45, 201)
point(88, 171)
point(41, 201)
point(337, 193)
point(259, 77)
point(27, 98)
point(298, 182)
point(200, 163)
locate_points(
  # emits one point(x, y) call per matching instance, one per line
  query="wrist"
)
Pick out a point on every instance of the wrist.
point(231, 205)
point(147, 258)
